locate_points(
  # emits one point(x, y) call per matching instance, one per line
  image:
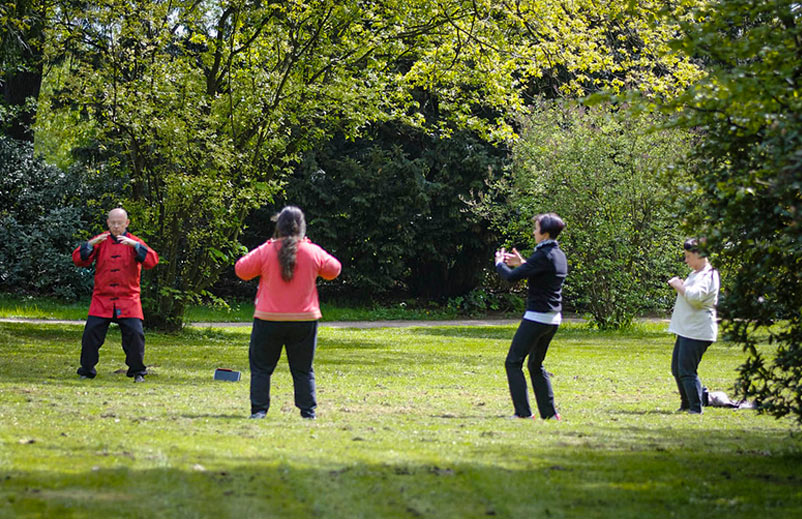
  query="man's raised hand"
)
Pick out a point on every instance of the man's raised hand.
point(126, 240)
point(99, 238)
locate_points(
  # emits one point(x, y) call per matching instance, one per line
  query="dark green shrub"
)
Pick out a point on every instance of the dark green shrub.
point(393, 208)
point(42, 219)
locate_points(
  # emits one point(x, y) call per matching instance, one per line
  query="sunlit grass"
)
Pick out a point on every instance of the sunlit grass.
point(37, 307)
point(411, 424)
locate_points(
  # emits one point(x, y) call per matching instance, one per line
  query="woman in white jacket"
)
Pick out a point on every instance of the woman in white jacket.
point(694, 323)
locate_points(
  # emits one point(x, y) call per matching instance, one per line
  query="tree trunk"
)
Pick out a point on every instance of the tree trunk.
point(17, 88)
point(23, 54)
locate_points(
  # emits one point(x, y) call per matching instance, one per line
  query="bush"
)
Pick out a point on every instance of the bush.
point(609, 177)
point(42, 219)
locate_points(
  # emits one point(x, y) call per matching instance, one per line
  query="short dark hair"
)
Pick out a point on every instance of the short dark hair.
point(695, 245)
point(550, 223)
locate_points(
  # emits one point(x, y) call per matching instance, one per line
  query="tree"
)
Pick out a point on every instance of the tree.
point(208, 104)
point(493, 58)
point(609, 177)
point(400, 221)
point(22, 35)
point(749, 171)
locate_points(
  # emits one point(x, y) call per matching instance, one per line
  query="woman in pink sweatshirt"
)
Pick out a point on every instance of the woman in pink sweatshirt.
point(287, 309)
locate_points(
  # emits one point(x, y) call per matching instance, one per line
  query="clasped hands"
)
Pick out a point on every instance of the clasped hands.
point(511, 259)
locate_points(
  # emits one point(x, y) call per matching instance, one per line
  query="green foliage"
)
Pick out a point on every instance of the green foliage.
point(480, 301)
point(749, 170)
point(491, 57)
point(392, 207)
point(42, 219)
point(608, 176)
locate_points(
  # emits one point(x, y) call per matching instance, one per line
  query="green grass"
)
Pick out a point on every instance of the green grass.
point(36, 307)
point(243, 312)
point(411, 424)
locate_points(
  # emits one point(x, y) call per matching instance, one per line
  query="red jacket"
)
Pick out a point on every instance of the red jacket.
point(117, 270)
point(295, 300)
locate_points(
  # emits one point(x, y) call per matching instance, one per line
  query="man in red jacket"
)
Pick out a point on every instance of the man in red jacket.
point(118, 257)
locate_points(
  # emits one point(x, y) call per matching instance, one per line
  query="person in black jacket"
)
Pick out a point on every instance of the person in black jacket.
point(545, 271)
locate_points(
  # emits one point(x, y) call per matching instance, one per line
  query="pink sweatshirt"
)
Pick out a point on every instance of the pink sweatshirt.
point(279, 300)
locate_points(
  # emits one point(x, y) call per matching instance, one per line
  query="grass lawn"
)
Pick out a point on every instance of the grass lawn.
point(411, 424)
point(36, 307)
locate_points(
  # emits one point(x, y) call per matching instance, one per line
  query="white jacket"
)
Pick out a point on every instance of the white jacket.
point(694, 315)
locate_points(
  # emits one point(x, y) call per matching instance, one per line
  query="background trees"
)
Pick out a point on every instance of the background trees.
point(749, 170)
point(22, 47)
point(393, 207)
point(202, 112)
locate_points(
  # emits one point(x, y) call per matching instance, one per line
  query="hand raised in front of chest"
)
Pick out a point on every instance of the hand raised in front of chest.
point(514, 259)
point(677, 284)
point(126, 240)
point(99, 238)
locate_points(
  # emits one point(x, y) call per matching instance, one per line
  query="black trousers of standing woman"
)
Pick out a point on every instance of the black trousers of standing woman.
point(530, 339)
point(267, 340)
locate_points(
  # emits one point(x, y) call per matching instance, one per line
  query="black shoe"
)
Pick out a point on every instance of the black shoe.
point(85, 377)
point(139, 378)
point(259, 415)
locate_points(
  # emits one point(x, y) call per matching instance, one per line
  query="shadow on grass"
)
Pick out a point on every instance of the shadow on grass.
point(566, 331)
point(642, 412)
point(226, 417)
point(470, 332)
point(580, 482)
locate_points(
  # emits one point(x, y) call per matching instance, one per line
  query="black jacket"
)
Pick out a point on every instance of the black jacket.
point(545, 271)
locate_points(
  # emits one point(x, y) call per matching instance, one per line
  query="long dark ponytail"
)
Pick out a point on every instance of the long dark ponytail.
point(290, 229)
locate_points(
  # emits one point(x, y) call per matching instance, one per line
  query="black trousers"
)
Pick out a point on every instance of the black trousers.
point(531, 339)
point(267, 340)
point(133, 344)
point(685, 361)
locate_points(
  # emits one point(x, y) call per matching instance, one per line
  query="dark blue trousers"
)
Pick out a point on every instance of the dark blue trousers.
point(267, 340)
point(95, 335)
point(530, 339)
point(684, 362)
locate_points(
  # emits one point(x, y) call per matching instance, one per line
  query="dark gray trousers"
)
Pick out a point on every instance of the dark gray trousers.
point(530, 339)
point(267, 340)
point(684, 362)
point(94, 336)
